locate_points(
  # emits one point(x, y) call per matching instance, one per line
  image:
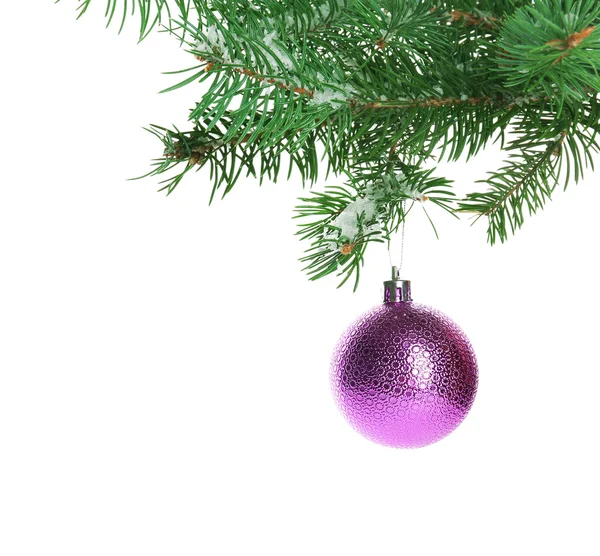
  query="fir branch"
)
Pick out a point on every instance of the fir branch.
point(541, 154)
point(376, 88)
point(228, 160)
point(553, 45)
point(529, 172)
point(341, 222)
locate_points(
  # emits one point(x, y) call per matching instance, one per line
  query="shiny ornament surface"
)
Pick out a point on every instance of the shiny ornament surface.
point(404, 374)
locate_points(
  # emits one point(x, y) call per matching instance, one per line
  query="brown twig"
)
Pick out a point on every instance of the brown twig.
point(430, 102)
point(529, 100)
point(347, 248)
point(571, 42)
point(470, 19)
point(210, 65)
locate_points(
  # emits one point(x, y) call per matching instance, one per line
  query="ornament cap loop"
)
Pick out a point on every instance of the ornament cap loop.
point(396, 290)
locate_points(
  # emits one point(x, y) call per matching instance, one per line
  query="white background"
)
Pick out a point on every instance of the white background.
point(164, 364)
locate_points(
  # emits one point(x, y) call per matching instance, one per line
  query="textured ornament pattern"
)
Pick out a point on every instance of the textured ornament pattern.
point(404, 375)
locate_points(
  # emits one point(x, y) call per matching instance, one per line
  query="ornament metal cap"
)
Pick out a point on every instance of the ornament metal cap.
point(395, 290)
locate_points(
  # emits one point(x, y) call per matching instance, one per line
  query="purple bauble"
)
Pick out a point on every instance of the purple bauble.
point(404, 374)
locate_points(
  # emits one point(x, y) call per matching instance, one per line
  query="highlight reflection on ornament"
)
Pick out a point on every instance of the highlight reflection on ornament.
point(404, 374)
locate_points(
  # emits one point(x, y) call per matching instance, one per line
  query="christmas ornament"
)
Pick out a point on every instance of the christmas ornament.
point(403, 374)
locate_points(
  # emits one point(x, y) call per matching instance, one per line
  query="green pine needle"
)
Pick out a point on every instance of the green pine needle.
point(376, 90)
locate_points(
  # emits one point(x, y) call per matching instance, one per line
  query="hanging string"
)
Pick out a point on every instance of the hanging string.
point(401, 244)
